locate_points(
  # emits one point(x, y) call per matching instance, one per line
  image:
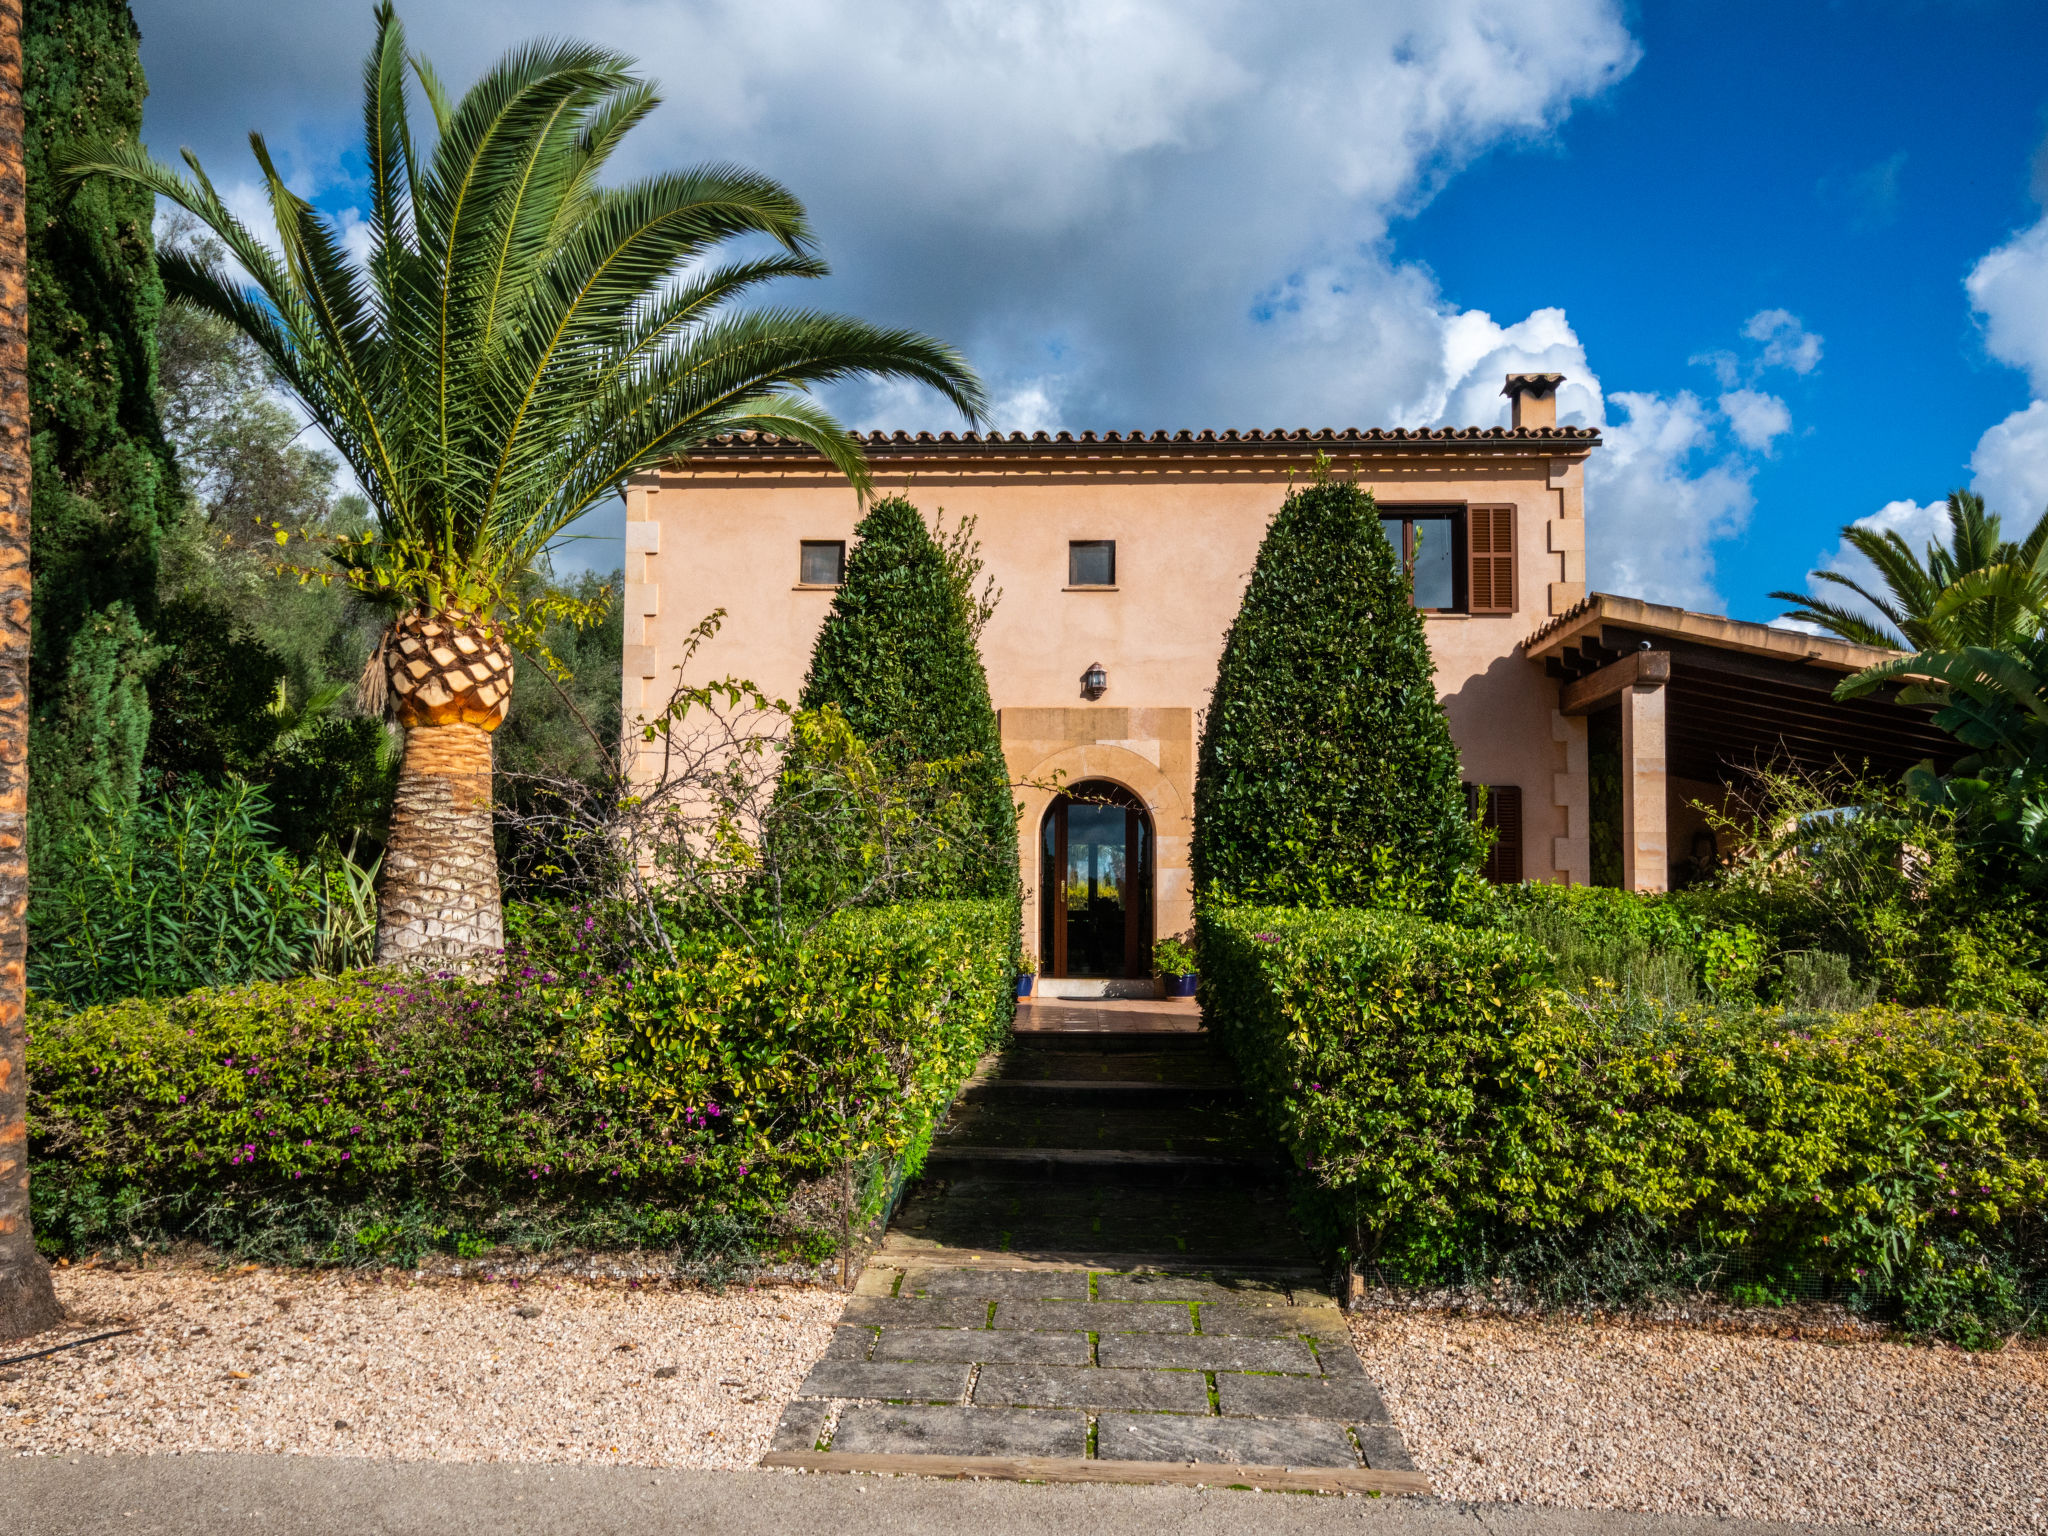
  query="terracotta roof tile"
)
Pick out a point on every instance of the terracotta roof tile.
point(769, 443)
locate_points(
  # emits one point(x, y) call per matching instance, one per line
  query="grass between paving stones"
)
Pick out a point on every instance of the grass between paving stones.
point(1215, 1402)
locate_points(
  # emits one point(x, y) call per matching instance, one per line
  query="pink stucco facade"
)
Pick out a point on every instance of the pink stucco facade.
point(1187, 515)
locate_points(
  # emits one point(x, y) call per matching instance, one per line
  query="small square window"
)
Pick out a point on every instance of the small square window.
point(1091, 563)
point(823, 563)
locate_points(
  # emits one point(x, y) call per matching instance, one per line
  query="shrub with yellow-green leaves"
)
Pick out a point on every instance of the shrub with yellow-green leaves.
point(1443, 1096)
point(375, 1115)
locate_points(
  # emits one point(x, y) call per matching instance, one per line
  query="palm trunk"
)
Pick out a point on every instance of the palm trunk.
point(438, 903)
point(27, 1303)
point(439, 907)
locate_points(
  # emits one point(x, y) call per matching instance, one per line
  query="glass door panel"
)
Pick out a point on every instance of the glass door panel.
point(1096, 889)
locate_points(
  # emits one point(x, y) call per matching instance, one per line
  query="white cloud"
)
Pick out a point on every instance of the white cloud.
point(1786, 342)
point(1652, 519)
point(2009, 288)
point(1756, 419)
point(2011, 466)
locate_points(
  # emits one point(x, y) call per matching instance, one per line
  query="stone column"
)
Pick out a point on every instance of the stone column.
point(1645, 851)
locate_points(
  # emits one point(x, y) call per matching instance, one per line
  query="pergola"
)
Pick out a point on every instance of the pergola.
point(1710, 699)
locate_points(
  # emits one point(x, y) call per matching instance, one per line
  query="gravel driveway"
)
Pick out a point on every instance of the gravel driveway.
point(1685, 1420)
point(1673, 1419)
point(270, 1360)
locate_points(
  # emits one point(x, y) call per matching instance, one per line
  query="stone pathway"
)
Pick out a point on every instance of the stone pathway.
point(1097, 1280)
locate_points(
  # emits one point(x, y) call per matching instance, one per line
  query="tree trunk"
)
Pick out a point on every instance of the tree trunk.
point(27, 1303)
point(438, 903)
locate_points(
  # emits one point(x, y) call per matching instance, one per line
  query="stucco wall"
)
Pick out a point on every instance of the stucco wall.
point(723, 535)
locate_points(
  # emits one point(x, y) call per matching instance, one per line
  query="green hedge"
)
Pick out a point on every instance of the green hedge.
point(327, 1120)
point(1443, 1098)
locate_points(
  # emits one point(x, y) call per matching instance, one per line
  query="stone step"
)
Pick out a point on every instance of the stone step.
point(1184, 1068)
point(1068, 1090)
point(1069, 1164)
point(1189, 1042)
point(1161, 1125)
point(1216, 1217)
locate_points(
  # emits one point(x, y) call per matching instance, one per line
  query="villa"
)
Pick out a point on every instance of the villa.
point(1597, 724)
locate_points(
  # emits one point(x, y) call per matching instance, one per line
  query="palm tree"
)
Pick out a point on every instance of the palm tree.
point(519, 341)
point(27, 1303)
point(1921, 602)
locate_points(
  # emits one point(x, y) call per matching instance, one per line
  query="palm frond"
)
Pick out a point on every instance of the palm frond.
point(521, 339)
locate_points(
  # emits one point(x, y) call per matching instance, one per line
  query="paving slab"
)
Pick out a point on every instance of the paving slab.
point(1339, 1357)
point(1058, 1386)
point(1095, 1316)
point(926, 1383)
point(1350, 1398)
point(961, 1432)
point(999, 1284)
point(1206, 1353)
point(1250, 1322)
point(1385, 1451)
point(984, 1346)
point(1266, 1442)
point(802, 1425)
point(1158, 1287)
point(851, 1344)
point(917, 1311)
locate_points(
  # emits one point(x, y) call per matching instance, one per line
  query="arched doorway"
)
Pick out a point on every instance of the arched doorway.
point(1095, 883)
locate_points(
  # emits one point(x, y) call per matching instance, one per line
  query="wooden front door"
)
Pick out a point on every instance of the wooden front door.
point(1095, 884)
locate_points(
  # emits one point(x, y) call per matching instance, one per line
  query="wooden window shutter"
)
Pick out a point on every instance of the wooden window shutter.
point(1490, 546)
point(1504, 819)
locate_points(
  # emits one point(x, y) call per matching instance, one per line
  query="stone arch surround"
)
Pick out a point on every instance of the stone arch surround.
point(1144, 766)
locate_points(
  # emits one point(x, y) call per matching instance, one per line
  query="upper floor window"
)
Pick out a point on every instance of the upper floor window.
point(822, 563)
point(1457, 561)
point(1091, 563)
point(1426, 543)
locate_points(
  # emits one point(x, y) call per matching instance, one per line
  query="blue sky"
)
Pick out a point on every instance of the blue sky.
point(1745, 230)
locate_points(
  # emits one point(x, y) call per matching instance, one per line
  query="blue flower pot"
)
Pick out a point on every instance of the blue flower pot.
point(1024, 981)
point(1181, 986)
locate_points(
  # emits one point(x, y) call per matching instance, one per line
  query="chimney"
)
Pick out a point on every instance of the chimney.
point(1535, 397)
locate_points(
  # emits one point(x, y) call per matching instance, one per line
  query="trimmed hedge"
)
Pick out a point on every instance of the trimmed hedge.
point(1327, 772)
point(1444, 1098)
point(899, 655)
point(329, 1120)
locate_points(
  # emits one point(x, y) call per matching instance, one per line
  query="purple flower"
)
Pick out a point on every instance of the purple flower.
point(1267, 938)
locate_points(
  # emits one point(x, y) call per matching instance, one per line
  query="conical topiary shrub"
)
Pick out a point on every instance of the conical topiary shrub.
point(1327, 775)
point(899, 655)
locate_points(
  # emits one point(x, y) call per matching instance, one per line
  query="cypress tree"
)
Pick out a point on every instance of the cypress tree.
point(1327, 774)
point(899, 655)
point(105, 488)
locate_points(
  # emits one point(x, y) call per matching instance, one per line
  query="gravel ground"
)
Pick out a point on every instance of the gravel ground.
point(1671, 1419)
point(1691, 1421)
point(273, 1360)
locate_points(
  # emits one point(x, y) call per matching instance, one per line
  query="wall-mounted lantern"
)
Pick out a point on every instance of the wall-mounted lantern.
point(1094, 682)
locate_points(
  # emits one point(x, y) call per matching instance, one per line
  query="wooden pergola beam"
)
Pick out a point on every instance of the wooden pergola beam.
point(1641, 669)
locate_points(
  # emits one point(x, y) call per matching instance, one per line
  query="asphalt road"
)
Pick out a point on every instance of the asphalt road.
point(308, 1496)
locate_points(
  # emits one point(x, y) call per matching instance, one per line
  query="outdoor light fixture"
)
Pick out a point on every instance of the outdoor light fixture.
point(1094, 682)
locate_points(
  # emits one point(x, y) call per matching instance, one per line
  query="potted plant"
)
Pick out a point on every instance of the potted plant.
point(1174, 960)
